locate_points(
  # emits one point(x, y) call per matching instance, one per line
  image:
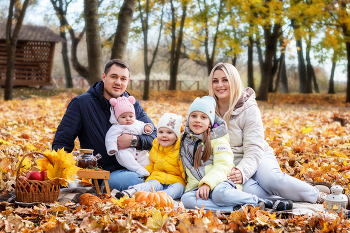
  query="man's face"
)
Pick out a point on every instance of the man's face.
point(115, 81)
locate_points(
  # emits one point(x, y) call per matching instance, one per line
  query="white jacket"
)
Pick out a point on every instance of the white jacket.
point(116, 130)
point(247, 135)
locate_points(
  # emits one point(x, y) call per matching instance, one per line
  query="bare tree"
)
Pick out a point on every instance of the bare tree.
point(11, 41)
point(123, 28)
point(79, 68)
point(145, 29)
point(61, 7)
point(176, 42)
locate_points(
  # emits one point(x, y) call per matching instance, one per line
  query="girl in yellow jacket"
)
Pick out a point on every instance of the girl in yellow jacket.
point(166, 170)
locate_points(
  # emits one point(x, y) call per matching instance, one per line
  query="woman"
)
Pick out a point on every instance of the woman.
point(256, 165)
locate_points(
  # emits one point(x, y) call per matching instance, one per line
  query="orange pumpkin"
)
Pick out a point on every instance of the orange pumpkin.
point(160, 198)
point(88, 199)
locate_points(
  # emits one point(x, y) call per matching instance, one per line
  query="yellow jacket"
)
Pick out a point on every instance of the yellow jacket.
point(166, 166)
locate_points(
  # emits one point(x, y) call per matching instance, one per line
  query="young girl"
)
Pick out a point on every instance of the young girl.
point(207, 158)
point(165, 168)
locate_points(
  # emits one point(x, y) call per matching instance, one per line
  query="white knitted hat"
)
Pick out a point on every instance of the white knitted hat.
point(172, 122)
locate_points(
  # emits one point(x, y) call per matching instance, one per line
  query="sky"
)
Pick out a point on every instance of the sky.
point(42, 14)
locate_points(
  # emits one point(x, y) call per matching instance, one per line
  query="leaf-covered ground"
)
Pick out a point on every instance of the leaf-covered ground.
point(310, 134)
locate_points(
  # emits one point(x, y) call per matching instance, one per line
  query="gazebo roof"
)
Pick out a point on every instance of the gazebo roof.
point(32, 33)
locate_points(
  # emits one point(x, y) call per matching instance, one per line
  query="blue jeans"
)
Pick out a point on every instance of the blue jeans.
point(173, 190)
point(271, 183)
point(122, 179)
point(224, 197)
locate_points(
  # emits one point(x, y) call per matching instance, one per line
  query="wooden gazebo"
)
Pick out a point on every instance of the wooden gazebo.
point(34, 55)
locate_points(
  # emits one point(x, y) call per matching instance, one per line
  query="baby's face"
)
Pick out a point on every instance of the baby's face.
point(127, 118)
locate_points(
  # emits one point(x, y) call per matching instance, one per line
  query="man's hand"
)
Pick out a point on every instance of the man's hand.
point(148, 128)
point(124, 141)
point(203, 192)
point(235, 176)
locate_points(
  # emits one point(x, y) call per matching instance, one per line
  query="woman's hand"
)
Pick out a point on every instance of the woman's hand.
point(235, 176)
point(203, 192)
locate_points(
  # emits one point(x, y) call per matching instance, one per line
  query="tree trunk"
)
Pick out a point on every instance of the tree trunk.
point(61, 14)
point(261, 60)
point(11, 53)
point(314, 79)
point(234, 60)
point(69, 82)
point(271, 43)
point(123, 28)
point(348, 67)
point(301, 67)
point(79, 68)
point(11, 43)
point(145, 30)
point(308, 72)
point(250, 64)
point(176, 44)
point(284, 78)
point(331, 80)
point(93, 41)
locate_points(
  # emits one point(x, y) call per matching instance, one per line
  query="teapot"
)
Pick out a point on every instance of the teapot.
point(85, 158)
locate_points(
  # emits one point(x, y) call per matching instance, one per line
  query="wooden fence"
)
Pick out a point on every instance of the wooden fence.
point(79, 82)
point(164, 85)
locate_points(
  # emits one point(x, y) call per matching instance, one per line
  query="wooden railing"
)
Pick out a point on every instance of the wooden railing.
point(163, 85)
point(79, 82)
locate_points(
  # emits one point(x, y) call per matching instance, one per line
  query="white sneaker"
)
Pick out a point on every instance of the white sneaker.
point(321, 197)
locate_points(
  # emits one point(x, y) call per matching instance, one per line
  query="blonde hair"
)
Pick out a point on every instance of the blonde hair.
point(236, 88)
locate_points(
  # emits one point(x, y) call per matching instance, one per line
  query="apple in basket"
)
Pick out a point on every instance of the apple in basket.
point(44, 173)
point(34, 175)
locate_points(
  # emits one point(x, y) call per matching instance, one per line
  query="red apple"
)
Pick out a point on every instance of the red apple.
point(34, 175)
point(21, 180)
point(28, 188)
point(44, 173)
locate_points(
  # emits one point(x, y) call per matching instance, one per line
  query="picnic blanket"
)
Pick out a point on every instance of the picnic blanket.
point(73, 194)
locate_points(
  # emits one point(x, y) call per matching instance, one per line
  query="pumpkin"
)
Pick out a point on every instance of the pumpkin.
point(88, 199)
point(160, 198)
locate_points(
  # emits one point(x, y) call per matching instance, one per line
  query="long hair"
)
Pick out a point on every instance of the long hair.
point(236, 88)
point(206, 152)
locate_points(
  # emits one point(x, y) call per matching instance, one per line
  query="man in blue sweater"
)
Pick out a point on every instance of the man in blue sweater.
point(87, 117)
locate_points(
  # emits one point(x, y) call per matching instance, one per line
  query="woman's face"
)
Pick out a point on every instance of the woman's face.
point(221, 86)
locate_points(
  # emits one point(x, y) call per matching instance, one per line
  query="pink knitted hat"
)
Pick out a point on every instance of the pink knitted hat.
point(123, 104)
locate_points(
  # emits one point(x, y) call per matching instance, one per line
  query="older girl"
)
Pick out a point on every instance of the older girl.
point(207, 158)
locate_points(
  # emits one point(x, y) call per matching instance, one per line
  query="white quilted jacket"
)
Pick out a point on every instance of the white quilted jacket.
point(247, 135)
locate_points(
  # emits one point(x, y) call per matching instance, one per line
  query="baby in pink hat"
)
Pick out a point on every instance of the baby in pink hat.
point(123, 121)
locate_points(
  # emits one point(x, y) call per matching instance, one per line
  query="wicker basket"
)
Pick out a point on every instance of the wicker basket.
point(34, 190)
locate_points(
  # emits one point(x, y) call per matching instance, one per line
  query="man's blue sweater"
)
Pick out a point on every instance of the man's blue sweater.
point(87, 117)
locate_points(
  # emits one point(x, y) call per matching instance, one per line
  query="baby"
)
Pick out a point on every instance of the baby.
point(123, 121)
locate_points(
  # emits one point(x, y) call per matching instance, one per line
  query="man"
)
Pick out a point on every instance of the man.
point(87, 117)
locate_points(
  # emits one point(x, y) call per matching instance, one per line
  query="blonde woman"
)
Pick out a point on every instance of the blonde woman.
point(256, 165)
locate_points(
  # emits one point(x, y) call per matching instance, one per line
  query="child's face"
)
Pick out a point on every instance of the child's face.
point(199, 122)
point(166, 137)
point(126, 118)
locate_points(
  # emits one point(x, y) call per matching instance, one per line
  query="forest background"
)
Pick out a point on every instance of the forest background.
point(184, 39)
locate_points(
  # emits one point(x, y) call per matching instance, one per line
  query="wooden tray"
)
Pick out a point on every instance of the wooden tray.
point(102, 174)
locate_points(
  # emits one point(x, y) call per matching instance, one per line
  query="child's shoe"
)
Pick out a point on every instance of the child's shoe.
point(128, 192)
point(277, 205)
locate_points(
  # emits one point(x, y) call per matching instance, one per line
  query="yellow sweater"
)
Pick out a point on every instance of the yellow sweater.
point(166, 166)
